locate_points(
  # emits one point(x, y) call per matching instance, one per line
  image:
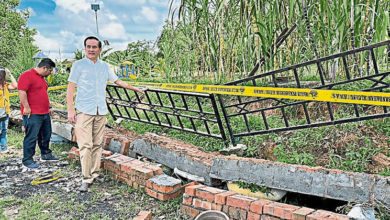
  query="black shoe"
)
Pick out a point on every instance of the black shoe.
point(84, 187)
point(48, 157)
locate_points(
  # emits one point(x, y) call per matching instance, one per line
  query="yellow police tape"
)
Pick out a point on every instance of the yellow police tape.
point(49, 178)
point(354, 97)
point(49, 89)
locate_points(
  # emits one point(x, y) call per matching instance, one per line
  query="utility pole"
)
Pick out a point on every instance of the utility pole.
point(96, 7)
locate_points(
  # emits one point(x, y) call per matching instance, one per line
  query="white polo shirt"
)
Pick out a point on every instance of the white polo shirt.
point(91, 79)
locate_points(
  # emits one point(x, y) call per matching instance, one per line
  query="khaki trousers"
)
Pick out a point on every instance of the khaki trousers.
point(89, 134)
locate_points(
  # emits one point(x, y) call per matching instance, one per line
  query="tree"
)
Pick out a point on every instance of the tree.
point(15, 37)
point(139, 53)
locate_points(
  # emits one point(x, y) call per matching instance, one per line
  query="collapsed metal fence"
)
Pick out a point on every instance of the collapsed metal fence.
point(190, 112)
point(247, 116)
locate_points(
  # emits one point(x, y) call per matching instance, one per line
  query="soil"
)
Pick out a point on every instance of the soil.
point(61, 199)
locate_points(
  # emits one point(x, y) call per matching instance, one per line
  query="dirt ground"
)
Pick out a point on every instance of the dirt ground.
point(61, 199)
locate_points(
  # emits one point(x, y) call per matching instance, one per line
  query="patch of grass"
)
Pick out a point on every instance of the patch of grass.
point(353, 158)
point(293, 157)
point(385, 172)
point(9, 201)
point(253, 187)
point(15, 137)
point(172, 204)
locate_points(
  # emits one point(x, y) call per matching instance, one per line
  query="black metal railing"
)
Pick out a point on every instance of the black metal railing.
point(191, 112)
point(247, 116)
point(265, 115)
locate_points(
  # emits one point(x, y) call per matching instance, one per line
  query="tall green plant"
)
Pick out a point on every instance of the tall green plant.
point(227, 38)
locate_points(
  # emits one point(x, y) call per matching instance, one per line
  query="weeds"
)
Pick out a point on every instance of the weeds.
point(355, 158)
point(293, 157)
point(253, 187)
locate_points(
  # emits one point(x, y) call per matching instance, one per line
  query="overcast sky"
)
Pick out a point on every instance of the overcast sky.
point(63, 24)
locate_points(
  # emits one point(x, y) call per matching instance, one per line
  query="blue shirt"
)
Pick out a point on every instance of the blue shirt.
point(91, 79)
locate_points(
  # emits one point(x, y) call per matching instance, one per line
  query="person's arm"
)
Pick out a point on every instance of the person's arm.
point(123, 84)
point(14, 84)
point(69, 102)
point(24, 101)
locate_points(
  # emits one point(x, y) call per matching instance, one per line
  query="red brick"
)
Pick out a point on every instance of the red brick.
point(143, 215)
point(221, 197)
point(197, 202)
point(115, 160)
point(106, 142)
point(208, 193)
point(206, 205)
point(164, 197)
point(151, 193)
point(191, 190)
point(336, 216)
point(76, 151)
point(191, 184)
point(125, 144)
point(71, 156)
point(187, 200)
point(282, 210)
point(156, 170)
point(126, 167)
point(322, 215)
point(106, 153)
point(144, 172)
point(166, 189)
point(215, 206)
point(124, 175)
point(160, 196)
point(187, 210)
point(127, 181)
point(253, 216)
point(136, 185)
point(111, 166)
point(239, 201)
point(301, 213)
point(257, 206)
point(135, 163)
point(149, 184)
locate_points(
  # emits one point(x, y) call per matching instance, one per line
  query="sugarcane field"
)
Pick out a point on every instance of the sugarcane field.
point(201, 109)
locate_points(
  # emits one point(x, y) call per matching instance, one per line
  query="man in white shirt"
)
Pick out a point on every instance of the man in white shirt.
point(90, 76)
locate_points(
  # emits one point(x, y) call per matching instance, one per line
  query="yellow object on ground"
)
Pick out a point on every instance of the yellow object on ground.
point(49, 178)
point(274, 195)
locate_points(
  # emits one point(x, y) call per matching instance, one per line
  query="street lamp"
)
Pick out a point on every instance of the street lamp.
point(96, 7)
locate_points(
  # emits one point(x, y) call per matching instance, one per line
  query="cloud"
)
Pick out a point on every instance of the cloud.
point(74, 6)
point(119, 45)
point(112, 17)
point(46, 44)
point(65, 26)
point(161, 3)
point(150, 14)
point(129, 3)
point(113, 31)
